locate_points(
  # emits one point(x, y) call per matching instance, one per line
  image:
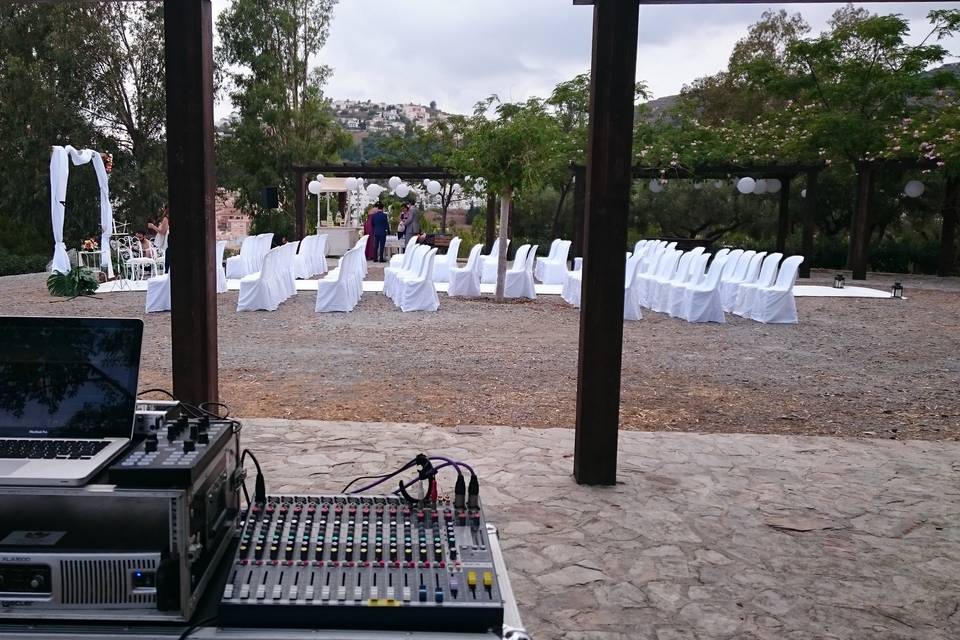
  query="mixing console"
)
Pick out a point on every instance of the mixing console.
point(369, 562)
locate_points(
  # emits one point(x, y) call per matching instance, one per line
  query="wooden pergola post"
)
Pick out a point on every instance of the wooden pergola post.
point(188, 54)
point(809, 216)
point(300, 204)
point(948, 232)
point(783, 220)
point(609, 175)
point(860, 223)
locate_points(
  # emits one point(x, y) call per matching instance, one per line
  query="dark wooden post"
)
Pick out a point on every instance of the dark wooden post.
point(300, 204)
point(342, 203)
point(579, 204)
point(612, 78)
point(860, 224)
point(491, 230)
point(809, 216)
point(188, 53)
point(783, 220)
point(948, 237)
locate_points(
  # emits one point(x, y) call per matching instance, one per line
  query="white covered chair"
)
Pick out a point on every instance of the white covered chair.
point(488, 273)
point(660, 287)
point(417, 292)
point(553, 268)
point(158, 293)
point(238, 265)
point(335, 292)
point(411, 262)
point(265, 289)
point(678, 289)
point(701, 301)
point(288, 252)
point(443, 265)
point(218, 265)
point(397, 260)
point(747, 289)
point(571, 288)
point(311, 258)
point(776, 304)
point(662, 269)
point(518, 281)
point(465, 281)
point(749, 262)
point(631, 300)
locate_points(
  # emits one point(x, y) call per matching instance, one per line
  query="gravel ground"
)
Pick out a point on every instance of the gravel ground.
point(867, 367)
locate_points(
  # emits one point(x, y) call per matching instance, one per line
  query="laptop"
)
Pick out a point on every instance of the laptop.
point(68, 388)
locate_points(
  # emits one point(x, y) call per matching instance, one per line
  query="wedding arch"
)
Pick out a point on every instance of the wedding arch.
point(59, 172)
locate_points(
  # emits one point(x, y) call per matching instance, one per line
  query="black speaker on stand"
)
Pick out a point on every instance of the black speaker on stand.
point(269, 198)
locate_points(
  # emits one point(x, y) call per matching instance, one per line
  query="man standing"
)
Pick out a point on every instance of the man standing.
point(381, 227)
point(412, 229)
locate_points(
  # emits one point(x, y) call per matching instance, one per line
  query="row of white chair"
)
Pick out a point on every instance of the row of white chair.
point(553, 268)
point(158, 287)
point(411, 284)
point(342, 288)
point(251, 256)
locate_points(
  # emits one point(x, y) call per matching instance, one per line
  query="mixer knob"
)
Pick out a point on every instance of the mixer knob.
point(172, 432)
point(204, 423)
point(189, 445)
point(194, 430)
point(203, 437)
point(150, 445)
point(182, 423)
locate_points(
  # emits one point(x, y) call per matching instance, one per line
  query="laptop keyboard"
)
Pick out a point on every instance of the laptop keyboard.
point(51, 449)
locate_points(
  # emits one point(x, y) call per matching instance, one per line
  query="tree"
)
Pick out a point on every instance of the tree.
point(282, 117)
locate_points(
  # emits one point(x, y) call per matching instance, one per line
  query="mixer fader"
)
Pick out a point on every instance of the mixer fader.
point(376, 562)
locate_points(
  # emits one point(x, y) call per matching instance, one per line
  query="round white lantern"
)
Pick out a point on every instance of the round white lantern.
point(914, 189)
point(426, 181)
point(350, 184)
point(718, 184)
point(803, 193)
point(319, 177)
point(314, 187)
point(373, 191)
point(433, 187)
point(402, 190)
point(774, 185)
point(456, 186)
point(394, 181)
point(655, 186)
point(746, 185)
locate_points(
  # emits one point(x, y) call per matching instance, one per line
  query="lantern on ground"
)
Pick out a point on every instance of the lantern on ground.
point(746, 185)
point(896, 291)
point(838, 281)
point(913, 189)
point(314, 187)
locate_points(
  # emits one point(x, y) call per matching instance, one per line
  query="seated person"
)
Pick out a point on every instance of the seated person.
point(146, 247)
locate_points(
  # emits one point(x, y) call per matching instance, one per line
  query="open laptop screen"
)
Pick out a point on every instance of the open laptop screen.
point(68, 377)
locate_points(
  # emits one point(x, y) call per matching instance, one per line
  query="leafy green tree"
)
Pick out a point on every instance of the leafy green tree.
point(282, 118)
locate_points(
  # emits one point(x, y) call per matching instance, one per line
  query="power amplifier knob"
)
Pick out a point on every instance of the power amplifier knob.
point(36, 582)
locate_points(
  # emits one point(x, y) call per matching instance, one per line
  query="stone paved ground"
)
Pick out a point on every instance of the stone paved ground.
point(704, 536)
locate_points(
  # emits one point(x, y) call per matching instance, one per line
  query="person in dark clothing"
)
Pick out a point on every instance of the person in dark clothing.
point(381, 227)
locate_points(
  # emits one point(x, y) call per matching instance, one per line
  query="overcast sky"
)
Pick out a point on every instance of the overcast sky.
point(460, 51)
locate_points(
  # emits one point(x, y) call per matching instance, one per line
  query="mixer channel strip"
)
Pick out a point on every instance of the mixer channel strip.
point(364, 563)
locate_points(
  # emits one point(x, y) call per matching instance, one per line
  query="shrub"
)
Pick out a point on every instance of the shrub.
point(11, 264)
point(78, 282)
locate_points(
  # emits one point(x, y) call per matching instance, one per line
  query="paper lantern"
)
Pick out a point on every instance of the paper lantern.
point(760, 187)
point(426, 181)
point(433, 187)
point(774, 185)
point(655, 186)
point(456, 186)
point(314, 187)
point(319, 177)
point(914, 189)
point(394, 182)
point(746, 185)
point(402, 190)
point(373, 191)
point(350, 184)
point(803, 193)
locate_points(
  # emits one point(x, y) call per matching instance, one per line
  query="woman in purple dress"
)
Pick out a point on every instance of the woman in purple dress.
point(368, 231)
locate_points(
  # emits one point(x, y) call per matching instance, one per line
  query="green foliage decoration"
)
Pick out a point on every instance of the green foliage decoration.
point(79, 281)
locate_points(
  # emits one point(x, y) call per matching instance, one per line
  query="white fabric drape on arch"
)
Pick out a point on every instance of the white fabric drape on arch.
point(59, 172)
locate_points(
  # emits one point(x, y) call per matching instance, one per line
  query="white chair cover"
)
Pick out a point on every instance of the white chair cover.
point(221, 274)
point(701, 301)
point(288, 253)
point(660, 287)
point(266, 289)
point(553, 268)
point(776, 304)
point(489, 272)
point(396, 260)
point(571, 288)
point(335, 292)
point(678, 289)
point(465, 281)
point(237, 265)
point(158, 293)
point(417, 293)
point(749, 262)
point(631, 301)
point(442, 266)
point(519, 280)
point(664, 268)
point(413, 250)
point(747, 290)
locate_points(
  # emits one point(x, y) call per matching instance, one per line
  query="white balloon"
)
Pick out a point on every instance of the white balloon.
point(394, 181)
point(760, 186)
point(803, 193)
point(402, 190)
point(655, 186)
point(426, 181)
point(433, 187)
point(350, 184)
point(319, 177)
point(373, 191)
point(746, 185)
point(914, 189)
point(314, 187)
point(774, 185)
point(456, 186)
